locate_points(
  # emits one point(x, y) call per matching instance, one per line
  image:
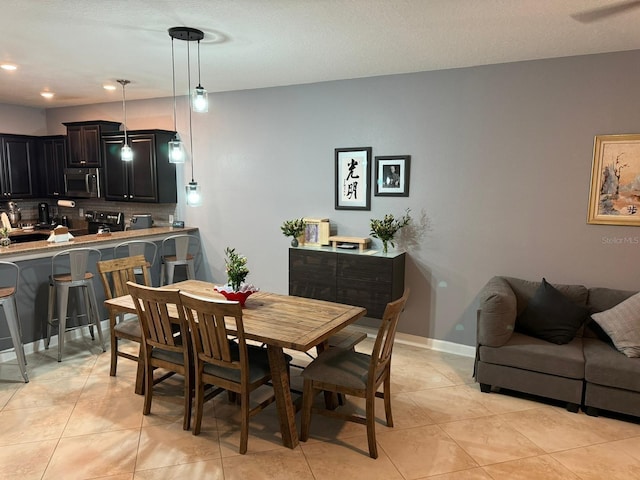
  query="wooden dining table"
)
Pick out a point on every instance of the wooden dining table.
point(278, 321)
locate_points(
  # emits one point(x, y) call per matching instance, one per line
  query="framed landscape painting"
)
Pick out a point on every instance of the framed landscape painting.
point(353, 178)
point(614, 198)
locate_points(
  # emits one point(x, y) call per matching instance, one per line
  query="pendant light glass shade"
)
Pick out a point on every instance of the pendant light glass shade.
point(200, 100)
point(194, 194)
point(176, 151)
point(126, 154)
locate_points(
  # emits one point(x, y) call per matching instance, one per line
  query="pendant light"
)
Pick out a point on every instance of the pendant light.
point(126, 154)
point(176, 149)
point(192, 190)
point(200, 98)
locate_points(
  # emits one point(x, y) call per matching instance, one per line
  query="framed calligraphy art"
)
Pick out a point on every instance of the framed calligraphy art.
point(353, 178)
point(392, 176)
point(614, 197)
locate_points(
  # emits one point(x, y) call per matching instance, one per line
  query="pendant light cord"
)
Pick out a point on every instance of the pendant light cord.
point(124, 108)
point(173, 70)
point(199, 84)
point(190, 107)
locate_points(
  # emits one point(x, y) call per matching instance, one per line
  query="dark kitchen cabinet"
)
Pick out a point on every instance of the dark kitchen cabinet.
point(84, 142)
point(149, 177)
point(361, 279)
point(18, 173)
point(52, 156)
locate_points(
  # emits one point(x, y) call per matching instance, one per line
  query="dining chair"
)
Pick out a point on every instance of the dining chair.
point(178, 250)
point(345, 371)
point(114, 275)
point(163, 346)
point(218, 361)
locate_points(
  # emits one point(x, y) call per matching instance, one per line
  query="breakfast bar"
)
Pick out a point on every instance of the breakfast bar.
point(34, 260)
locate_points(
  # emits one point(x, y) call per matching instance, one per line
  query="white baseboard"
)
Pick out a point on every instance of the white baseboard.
point(424, 342)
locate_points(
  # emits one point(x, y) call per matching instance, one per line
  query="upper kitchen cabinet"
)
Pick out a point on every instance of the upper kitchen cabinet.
point(17, 167)
point(84, 142)
point(149, 177)
point(52, 155)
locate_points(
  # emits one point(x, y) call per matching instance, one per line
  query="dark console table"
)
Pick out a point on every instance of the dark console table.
point(366, 279)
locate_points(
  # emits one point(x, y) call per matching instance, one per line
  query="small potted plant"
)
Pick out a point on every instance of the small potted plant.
point(5, 241)
point(237, 271)
point(293, 228)
point(386, 228)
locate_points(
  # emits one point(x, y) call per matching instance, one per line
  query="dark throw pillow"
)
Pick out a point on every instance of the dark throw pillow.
point(551, 316)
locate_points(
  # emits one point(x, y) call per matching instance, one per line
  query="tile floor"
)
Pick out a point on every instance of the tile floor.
point(73, 421)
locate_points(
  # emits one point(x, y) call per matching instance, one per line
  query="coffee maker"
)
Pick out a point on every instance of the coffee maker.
point(44, 217)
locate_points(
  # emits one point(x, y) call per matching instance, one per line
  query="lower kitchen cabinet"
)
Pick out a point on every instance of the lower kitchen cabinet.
point(149, 177)
point(361, 279)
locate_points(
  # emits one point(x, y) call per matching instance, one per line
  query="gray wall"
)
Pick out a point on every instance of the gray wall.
point(501, 162)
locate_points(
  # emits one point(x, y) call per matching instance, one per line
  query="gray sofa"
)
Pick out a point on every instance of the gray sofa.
point(587, 371)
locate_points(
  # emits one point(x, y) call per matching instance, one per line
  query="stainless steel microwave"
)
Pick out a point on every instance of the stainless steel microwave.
point(82, 182)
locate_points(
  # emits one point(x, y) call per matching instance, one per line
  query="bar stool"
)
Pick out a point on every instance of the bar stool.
point(137, 247)
point(10, 273)
point(75, 276)
point(185, 249)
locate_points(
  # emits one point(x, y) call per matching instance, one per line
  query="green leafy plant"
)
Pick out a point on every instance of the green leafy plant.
point(4, 232)
point(236, 266)
point(293, 228)
point(386, 228)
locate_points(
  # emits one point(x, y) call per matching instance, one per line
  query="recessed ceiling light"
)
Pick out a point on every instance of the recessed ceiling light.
point(8, 66)
point(47, 94)
point(109, 87)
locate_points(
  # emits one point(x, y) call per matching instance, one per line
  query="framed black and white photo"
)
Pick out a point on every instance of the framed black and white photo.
point(353, 178)
point(392, 176)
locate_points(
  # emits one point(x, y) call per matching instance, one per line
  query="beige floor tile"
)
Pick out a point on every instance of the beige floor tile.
point(554, 429)
point(282, 464)
point(6, 392)
point(423, 451)
point(95, 415)
point(25, 461)
point(471, 474)
point(264, 434)
point(210, 470)
point(490, 440)
point(497, 402)
point(168, 445)
point(38, 393)
point(598, 462)
point(543, 467)
point(348, 458)
point(97, 455)
point(33, 424)
point(449, 404)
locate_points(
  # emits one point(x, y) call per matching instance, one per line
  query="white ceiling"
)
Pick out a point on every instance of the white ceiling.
point(73, 47)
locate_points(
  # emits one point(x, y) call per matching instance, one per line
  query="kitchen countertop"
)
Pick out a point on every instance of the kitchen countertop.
point(42, 248)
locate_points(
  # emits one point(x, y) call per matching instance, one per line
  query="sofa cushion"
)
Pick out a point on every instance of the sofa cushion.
point(530, 353)
point(497, 313)
point(551, 316)
point(604, 365)
point(622, 324)
point(526, 289)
